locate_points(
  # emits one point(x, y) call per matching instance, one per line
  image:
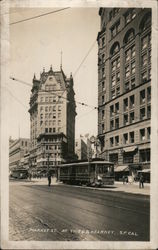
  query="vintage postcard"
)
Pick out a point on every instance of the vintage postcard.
point(79, 122)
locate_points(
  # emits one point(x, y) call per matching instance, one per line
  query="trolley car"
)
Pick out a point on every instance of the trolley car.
point(94, 173)
point(19, 173)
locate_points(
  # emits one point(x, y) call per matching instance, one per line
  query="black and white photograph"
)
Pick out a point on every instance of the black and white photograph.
point(79, 125)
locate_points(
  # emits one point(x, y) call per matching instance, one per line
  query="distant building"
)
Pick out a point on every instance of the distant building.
point(124, 85)
point(52, 119)
point(17, 149)
point(81, 149)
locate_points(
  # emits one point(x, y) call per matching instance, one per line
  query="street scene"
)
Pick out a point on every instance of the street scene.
point(79, 99)
point(74, 213)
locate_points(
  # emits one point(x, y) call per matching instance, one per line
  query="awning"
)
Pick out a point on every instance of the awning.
point(121, 168)
point(130, 149)
point(144, 171)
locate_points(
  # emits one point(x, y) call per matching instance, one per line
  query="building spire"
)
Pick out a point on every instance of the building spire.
point(34, 77)
point(61, 59)
point(51, 68)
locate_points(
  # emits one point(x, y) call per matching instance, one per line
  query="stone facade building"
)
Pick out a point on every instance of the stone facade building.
point(52, 119)
point(124, 85)
point(17, 150)
point(81, 149)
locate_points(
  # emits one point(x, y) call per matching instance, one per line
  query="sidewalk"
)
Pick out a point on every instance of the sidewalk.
point(118, 186)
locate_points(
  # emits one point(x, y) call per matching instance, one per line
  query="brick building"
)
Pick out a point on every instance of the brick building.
point(52, 119)
point(124, 85)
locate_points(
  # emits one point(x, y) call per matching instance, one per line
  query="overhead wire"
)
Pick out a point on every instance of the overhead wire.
point(81, 103)
point(47, 91)
point(38, 16)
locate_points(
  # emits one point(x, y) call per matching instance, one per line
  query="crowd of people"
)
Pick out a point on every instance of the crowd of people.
point(125, 180)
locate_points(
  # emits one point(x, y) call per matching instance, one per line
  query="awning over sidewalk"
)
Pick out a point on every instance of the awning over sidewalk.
point(144, 171)
point(129, 149)
point(121, 168)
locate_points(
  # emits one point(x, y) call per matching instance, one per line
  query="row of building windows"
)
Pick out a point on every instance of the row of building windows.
point(144, 134)
point(144, 156)
point(129, 102)
point(50, 115)
point(50, 108)
point(50, 99)
point(52, 130)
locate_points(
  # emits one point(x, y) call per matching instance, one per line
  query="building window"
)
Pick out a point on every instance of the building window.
point(117, 77)
point(103, 99)
point(111, 142)
point(113, 80)
point(46, 99)
point(103, 72)
point(116, 140)
point(125, 138)
point(41, 99)
point(142, 134)
point(103, 58)
point(102, 116)
point(111, 124)
point(113, 158)
point(46, 130)
point(142, 113)
point(50, 130)
point(144, 60)
point(54, 108)
point(133, 83)
point(131, 136)
point(103, 41)
point(115, 29)
point(117, 107)
point(54, 130)
point(149, 94)
point(148, 133)
point(131, 117)
point(113, 13)
point(117, 123)
point(133, 67)
point(127, 71)
point(111, 110)
point(103, 128)
point(127, 86)
point(130, 15)
point(125, 119)
point(142, 96)
point(144, 155)
point(103, 86)
point(130, 54)
point(149, 111)
point(128, 157)
point(54, 115)
point(129, 36)
point(113, 94)
point(132, 101)
point(125, 101)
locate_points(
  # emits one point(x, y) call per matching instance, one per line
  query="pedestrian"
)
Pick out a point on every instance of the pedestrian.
point(123, 178)
point(141, 181)
point(49, 179)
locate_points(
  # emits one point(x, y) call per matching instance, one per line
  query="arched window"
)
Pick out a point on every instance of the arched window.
point(114, 49)
point(129, 36)
point(146, 22)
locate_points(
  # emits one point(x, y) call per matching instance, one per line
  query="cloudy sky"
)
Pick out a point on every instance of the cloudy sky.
point(38, 43)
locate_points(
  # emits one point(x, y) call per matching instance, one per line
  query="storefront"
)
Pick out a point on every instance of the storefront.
point(121, 171)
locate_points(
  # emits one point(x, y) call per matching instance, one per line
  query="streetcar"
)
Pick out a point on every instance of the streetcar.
point(19, 173)
point(94, 173)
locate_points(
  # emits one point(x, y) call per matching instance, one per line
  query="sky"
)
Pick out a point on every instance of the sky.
point(38, 43)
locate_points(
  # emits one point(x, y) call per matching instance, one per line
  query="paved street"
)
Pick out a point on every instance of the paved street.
point(63, 212)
